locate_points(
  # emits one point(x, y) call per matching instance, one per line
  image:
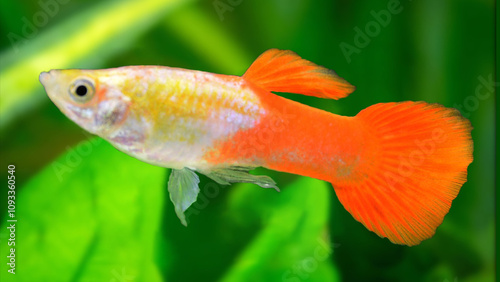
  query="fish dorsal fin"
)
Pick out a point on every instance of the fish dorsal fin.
point(285, 71)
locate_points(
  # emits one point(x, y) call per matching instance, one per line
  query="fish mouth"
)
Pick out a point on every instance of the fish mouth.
point(45, 78)
point(49, 81)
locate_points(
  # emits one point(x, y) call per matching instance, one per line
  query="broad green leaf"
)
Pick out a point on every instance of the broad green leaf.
point(292, 244)
point(183, 189)
point(92, 215)
point(256, 234)
point(108, 27)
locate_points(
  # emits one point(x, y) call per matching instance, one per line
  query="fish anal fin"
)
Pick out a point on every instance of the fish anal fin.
point(285, 71)
point(234, 174)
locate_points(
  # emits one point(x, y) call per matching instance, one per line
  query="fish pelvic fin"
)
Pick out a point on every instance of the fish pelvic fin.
point(183, 189)
point(285, 71)
point(417, 170)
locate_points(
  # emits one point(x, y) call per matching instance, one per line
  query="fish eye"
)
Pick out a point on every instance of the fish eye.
point(82, 90)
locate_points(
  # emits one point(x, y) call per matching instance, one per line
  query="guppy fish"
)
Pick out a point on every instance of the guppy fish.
point(396, 167)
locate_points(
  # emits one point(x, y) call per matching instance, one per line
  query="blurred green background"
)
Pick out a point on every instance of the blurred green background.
point(87, 212)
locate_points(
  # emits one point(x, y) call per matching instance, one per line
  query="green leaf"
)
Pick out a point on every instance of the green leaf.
point(92, 215)
point(183, 189)
point(293, 244)
point(258, 234)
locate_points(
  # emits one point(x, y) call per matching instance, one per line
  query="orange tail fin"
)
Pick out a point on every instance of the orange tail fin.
point(284, 71)
point(419, 164)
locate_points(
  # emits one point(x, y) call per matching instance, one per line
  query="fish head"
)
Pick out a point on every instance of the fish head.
point(88, 98)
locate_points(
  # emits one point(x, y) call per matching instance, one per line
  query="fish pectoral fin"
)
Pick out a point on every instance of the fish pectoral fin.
point(233, 174)
point(285, 71)
point(183, 189)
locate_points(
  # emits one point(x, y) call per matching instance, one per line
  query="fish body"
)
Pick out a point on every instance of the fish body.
point(396, 167)
point(165, 116)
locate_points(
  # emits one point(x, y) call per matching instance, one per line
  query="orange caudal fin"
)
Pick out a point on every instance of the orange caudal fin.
point(284, 71)
point(405, 187)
